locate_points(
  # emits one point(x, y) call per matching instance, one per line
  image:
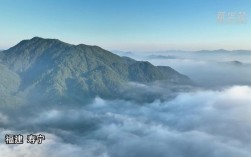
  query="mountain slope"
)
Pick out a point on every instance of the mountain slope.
point(51, 70)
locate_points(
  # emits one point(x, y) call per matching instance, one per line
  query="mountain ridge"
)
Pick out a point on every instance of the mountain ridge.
point(52, 70)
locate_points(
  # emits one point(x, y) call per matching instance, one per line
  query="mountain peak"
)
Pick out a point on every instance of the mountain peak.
point(40, 39)
point(37, 38)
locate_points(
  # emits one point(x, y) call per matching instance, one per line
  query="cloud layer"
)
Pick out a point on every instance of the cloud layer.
point(206, 68)
point(205, 123)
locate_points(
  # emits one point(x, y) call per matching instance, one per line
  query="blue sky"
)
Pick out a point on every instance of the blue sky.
point(141, 25)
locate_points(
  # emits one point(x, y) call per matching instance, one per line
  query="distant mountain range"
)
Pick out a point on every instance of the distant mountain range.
point(49, 70)
point(161, 57)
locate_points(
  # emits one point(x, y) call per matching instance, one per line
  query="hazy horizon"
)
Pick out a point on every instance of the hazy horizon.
point(148, 51)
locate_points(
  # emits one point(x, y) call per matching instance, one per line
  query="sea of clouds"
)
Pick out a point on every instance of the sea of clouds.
point(208, 123)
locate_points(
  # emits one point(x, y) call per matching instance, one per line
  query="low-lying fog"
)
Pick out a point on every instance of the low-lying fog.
point(206, 68)
point(211, 121)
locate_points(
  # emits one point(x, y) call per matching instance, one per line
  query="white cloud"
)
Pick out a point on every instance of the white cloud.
point(202, 123)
